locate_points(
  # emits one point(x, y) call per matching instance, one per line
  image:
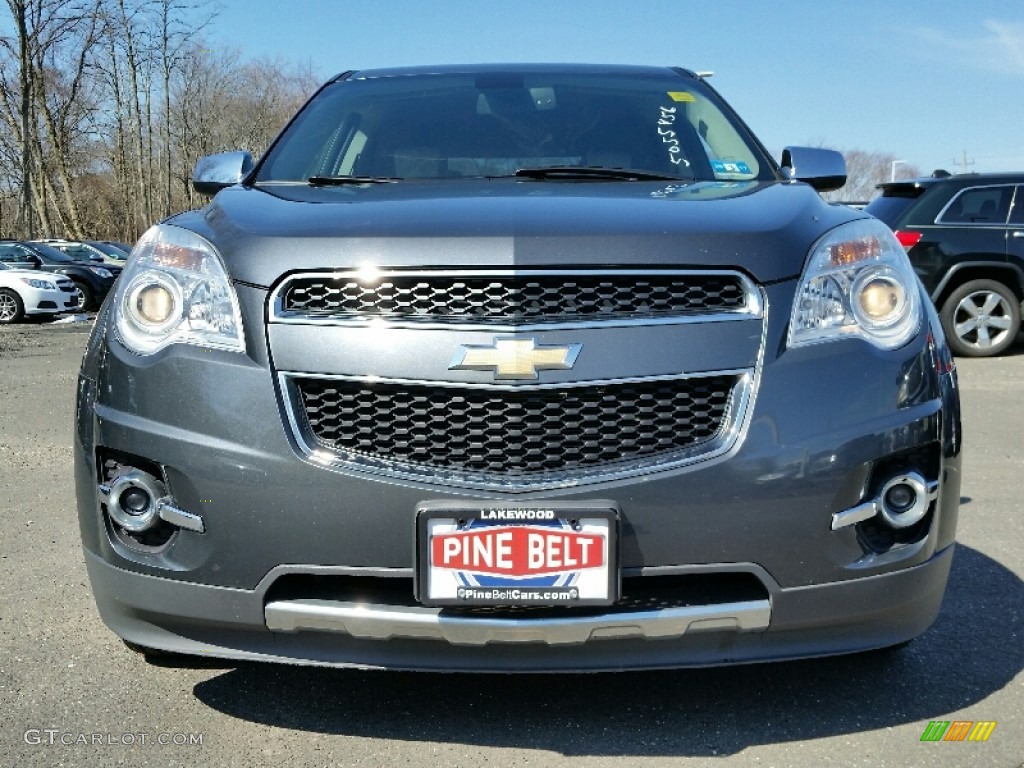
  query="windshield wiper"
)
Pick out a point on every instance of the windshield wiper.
point(593, 172)
point(329, 181)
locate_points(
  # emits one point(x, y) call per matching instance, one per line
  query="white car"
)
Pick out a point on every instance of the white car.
point(31, 292)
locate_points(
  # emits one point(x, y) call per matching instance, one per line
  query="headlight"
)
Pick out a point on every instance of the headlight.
point(174, 290)
point(857, 282)
point(40, 284)
point(105, 273)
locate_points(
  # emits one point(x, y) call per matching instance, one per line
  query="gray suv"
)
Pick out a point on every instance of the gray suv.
point(518, 368)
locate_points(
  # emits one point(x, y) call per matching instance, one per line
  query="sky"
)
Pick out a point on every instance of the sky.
point(935, 83)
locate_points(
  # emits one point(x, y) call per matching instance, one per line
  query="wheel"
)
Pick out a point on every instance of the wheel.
point(981, 318)
point(11, 308)
point(85, 299)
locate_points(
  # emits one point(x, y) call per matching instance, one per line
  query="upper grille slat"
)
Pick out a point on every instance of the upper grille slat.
point(514, 298)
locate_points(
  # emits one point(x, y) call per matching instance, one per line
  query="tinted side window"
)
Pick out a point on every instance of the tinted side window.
point(14, 254)
point(888, 208)
point(978, 205)
point(77, 251)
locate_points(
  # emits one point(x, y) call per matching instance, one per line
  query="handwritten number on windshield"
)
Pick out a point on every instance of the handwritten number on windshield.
point(668, 136)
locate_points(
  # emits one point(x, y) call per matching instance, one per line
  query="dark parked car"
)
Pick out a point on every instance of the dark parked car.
point(100, 255)
point(93, 281)
point(965, 237)
point(518, 368)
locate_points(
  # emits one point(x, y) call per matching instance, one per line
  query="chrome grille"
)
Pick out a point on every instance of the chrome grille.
point(516, 432)
point(514, 297)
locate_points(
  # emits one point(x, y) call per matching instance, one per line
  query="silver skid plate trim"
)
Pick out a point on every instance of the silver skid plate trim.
point(384, 622)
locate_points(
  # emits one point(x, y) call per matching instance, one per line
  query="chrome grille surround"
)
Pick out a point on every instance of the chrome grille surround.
point(735, 416)
point(521, 298)
point(733, 423)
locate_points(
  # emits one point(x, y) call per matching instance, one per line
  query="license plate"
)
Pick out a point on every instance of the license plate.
point(547, 554)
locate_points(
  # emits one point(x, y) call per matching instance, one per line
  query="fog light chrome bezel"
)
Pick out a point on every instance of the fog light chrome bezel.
point(904, 518)
point(129, 521)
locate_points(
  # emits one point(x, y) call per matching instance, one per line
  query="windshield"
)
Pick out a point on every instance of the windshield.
point(494, 124)
point(893, 201)
point(112, 251)
point(52, 254)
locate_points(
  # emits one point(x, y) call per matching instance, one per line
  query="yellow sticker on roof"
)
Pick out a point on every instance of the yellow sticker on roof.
point(680, 96)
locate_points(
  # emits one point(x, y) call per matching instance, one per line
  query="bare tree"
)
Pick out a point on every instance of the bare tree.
point(865, 171)
point(105, 106)
point(175, 38)
point(20, 12)
point(47, 111)
point(224, 105)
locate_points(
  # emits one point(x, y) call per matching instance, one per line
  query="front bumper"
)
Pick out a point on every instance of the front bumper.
point(767, 509)
point(850, 616)
point(46, 302)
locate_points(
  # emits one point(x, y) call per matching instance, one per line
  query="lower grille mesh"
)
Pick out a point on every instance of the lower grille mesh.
point(513, 432)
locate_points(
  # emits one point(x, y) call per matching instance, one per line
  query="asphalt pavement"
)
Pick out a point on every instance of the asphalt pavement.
point(72, 695)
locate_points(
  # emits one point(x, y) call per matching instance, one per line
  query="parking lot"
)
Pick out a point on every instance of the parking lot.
point(73, 695)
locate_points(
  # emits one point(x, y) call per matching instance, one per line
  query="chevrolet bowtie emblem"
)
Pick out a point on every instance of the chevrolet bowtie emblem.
point(516, 358)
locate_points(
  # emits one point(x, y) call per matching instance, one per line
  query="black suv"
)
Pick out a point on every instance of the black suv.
point(965, 238)
point(93, 281)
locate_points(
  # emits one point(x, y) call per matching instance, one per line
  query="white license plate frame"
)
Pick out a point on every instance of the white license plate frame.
point(553, 554)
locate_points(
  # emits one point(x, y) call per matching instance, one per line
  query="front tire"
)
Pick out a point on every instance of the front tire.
point(85, 297)
point(11, 307)
point(981, 318)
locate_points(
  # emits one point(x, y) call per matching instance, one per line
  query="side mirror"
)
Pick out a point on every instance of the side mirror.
point(214, 172)
point(823, 169)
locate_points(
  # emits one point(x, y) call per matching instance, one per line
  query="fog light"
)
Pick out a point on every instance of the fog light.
point(132, 499)
point(903, 500)
point(135, 500)
point(900, 498)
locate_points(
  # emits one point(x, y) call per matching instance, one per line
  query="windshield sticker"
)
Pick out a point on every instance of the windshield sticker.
point(668, 136)
point(719, 166)
point(680, 96)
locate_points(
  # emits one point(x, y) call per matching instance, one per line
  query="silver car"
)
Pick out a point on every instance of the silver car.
point(33, 293)
point(518, 368)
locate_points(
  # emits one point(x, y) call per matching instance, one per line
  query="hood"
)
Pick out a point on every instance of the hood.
point(764, 228)
point(31, 274)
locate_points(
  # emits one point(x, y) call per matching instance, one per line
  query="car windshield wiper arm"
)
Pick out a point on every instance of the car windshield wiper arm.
point(327, 181)
point(593, 172)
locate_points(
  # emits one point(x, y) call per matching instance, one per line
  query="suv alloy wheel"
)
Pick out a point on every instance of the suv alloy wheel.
point(981, 318)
